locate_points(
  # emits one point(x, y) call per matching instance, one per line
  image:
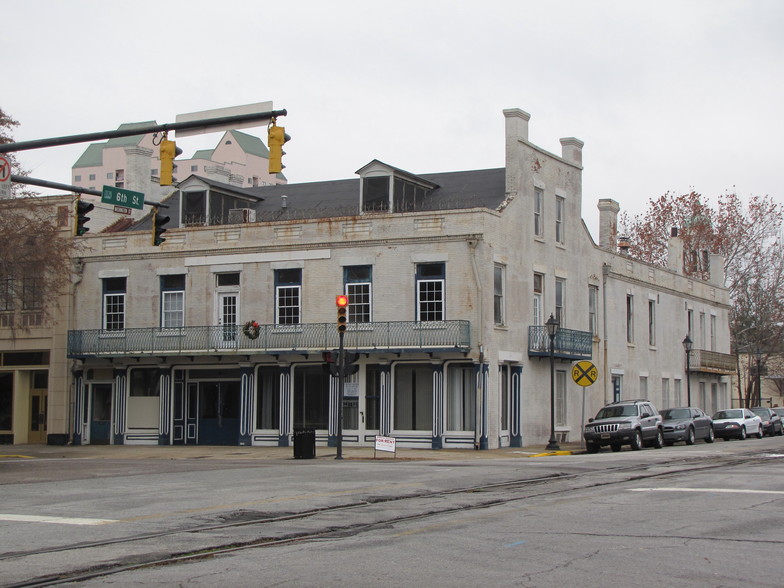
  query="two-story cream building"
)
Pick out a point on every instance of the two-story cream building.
point(451, 278)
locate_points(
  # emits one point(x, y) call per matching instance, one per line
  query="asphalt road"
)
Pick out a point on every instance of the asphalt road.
point(705, 515)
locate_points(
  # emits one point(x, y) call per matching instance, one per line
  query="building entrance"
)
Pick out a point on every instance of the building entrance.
point(38, 407)
point(219, 413)
point(100, 413)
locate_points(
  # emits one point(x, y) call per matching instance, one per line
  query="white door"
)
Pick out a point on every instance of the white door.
point(228, 313)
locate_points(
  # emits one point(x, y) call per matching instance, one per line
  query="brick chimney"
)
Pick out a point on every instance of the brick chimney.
point(572, 150)
point(516, 129)
point(675, 252)
point(608, 223)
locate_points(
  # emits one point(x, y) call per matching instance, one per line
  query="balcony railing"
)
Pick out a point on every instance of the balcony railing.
point(568, 343)
point(302, 338)
point(702, 360)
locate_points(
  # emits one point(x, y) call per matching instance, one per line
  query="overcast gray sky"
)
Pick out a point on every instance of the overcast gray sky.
point(667, 95)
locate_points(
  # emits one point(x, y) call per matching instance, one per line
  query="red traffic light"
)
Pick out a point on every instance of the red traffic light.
point(341, 300)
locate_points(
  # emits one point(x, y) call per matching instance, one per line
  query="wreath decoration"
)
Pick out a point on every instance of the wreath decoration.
point(251, 329)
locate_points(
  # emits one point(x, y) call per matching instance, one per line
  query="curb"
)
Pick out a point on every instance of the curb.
point(565, 452)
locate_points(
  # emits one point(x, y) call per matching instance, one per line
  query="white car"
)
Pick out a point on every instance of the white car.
point(737, 423)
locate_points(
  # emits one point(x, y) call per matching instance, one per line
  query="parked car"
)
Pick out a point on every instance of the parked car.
point(628, 422)
point(736, 423)
point(686, 424)
point(779, 410)
point(771, 422)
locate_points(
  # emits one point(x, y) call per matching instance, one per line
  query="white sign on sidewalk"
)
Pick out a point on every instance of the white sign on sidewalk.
point(385, 443)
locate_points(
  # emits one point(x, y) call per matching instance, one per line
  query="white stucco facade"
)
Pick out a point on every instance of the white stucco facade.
point(454, 275)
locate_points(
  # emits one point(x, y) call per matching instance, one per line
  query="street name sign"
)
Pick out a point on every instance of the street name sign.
point(584, 373)
point(122, 197)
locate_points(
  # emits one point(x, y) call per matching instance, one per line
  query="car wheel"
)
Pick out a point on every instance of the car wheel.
point(742, 433)
point(781, 429)
point(711, 436)
point(690, 436)
point(760, 432)
point(637, 441)
point(592, 447)
point(615, 446)
point(658, 443)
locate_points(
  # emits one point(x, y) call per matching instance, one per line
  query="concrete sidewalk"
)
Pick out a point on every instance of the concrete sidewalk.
point(269, 453)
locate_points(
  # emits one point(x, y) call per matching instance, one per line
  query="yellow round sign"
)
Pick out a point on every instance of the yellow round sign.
point(584, 373)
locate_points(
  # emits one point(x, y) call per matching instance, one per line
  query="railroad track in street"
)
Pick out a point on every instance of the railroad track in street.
point(260, 531)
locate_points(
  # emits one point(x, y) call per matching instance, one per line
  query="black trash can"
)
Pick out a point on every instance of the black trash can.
point(304, 443)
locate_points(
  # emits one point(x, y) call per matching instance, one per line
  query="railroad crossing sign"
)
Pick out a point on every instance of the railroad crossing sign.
point(584, 373)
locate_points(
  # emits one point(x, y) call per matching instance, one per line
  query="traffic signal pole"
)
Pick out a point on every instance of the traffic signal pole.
point(341, 378)
point(222, 121)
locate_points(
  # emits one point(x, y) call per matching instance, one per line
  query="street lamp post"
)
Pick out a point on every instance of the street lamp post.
point(552, 329)
point(758, 357)
point(687, 345)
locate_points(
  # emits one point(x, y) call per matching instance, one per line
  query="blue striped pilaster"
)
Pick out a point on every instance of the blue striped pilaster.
point(515, 411)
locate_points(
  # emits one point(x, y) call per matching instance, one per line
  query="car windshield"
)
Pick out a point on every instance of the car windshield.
point(675, 413)
point(728, 414)
point(760, 411)
point(610, 412)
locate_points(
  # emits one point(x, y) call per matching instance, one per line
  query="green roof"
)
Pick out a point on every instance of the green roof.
point(204, 154)
point(133, 140)
point(250, 144)
point(92, 156)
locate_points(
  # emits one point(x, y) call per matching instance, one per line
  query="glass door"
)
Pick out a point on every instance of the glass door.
point(228, 312)
point(38, 407)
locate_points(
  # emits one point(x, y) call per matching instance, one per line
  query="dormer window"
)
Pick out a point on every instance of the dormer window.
point(375, 194)
point(200, 207)
point(385, 188)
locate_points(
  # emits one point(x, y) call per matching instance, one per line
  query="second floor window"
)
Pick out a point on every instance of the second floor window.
point(560, 296)
point(172, 301)
point(498, 294)
point(652, 323)
point(288, 290)
point(430, 291)
point(538, 290)
point(629, 318)
point(32, 293)
point(593, 314)
point(538, 212)
point(6, 293)
point(559, 220)
point(358, 280)
point(114, 304)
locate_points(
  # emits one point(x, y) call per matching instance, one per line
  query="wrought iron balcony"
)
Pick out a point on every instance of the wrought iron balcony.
point(272, 339)
point(568, 343)
point(712, 362)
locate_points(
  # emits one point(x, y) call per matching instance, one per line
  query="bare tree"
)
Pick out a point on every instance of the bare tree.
point(7, 125)
point(749, 239)
point(35, 252)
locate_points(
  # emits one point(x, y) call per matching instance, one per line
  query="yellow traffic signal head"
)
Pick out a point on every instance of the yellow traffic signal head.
point(276, 137)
